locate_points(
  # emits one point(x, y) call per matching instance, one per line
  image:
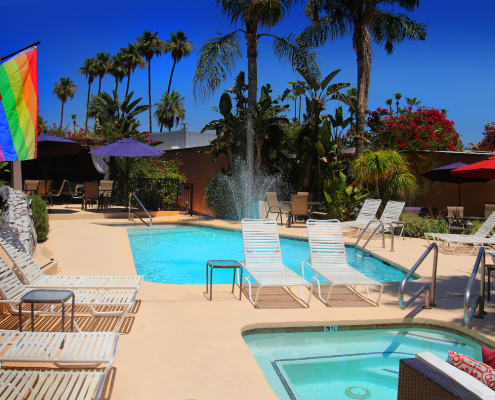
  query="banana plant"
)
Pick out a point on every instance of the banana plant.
point(342, 197)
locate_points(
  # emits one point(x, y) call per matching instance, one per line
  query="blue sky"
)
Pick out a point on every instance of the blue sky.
point(452, 69)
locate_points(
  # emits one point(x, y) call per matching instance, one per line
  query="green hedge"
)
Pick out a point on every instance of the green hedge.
point(40, 214)
point(420, 225)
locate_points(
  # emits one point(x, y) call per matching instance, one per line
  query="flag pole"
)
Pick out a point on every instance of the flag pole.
point(18, 51)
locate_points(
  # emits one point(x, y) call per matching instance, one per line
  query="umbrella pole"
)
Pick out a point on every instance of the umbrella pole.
point(459, 194)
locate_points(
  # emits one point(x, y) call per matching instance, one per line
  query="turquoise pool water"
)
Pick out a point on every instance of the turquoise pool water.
point(178, 254)
point(346, 364)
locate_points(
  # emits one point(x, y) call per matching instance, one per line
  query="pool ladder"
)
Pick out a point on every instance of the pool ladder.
point(132, 213)
point(479, 301)
point(429, 290)
point(381, 224)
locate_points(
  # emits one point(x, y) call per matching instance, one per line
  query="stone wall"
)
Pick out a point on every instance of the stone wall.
point(17, 214)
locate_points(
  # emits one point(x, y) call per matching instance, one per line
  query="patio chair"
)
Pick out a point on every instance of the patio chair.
point(44, 188)
point(298, 208)
point(110, 303)
point(275, 207)
point(366, 214)
point(480, 238)
point(91, 193)
point(31, 187)
point(328, 260)
point(33, 277)
point(73, 193)
point(106, 191)
point(455, 212)
point(58, 192)
point(263, 259)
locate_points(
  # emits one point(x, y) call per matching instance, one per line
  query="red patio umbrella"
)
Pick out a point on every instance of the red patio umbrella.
point(481, 170)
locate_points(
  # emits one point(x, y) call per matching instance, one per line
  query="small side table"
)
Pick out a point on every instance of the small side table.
point(43, 296)
point(403, 224)
point(223, 264)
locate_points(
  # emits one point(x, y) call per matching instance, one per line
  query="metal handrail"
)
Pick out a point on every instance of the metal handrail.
point(480, 299)
point(429, 292)
point(131, 213)
point(373, 234)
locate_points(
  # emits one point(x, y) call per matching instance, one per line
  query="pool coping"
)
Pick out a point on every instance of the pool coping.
point(385, 261)
point(423, 323)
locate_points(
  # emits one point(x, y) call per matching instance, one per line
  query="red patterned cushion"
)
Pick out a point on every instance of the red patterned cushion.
point(488, 356)
point(480, 371)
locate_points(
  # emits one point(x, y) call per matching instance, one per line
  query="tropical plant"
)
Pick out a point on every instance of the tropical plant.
point(389, 102)
point(102, 65)
point(386, 174)
point(89, 70)
point(488, 142)
point(178, 47)
point(40, 215)
point(413, 102)
point(366, 22)
point(3, 171)
point(149, 45)
point(342, 197)
point(131, 60)
point(42, 125)
point(64, 89)
point(419, 225)
point(117, 69)
point(397, 96)
point(219, 54)
point(170, 110)
point(73, 116)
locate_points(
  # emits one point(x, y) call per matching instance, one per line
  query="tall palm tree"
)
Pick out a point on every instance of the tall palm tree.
point(179, 47)
point(397, 96)
point(389, 102)
point(102, 65)
point(148, 46)
point(64, 89)
point(131, 59)
point(220, 53)
point(73, 116)
point(89, 70)
point(117, 69)
point(413, 101)
point(170, 110)
point(366, 23)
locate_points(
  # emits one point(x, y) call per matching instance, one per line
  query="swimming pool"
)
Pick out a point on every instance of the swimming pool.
point(177, 254)
point(341, 365)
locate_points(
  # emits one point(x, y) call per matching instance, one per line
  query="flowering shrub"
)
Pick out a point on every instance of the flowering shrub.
point(113, 133)
point(488, 142)
point(422, 129)
point(66, 132)
point(151, 167)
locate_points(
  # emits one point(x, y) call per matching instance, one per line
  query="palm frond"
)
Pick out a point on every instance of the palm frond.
point(297, 53)
point(334, 25)
point(234, 9)
point(216, 61)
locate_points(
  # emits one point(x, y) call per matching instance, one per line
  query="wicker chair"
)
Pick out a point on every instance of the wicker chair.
point(298, 208)
point(275, 207)
point(106, 192)
point(91, 193)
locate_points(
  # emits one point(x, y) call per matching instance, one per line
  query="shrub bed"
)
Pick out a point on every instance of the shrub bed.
point(420, 225)
point(40, 214)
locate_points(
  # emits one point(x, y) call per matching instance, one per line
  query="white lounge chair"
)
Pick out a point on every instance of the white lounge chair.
point(328, 259)
point(33, 277)
point(263, 259)
point(480, 238)
point(389, 217)
point(120, 301)
point(366, 214)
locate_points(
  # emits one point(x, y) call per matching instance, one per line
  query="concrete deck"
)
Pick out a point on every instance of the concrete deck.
point(178, 345)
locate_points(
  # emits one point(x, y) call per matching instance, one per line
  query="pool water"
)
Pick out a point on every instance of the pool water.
point(343, 365)
point(177, 254)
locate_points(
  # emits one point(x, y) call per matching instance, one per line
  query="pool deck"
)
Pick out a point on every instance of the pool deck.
point(178, 345)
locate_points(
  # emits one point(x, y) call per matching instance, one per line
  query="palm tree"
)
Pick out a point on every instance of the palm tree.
point(131, 59)
point(64, 89)
point(170, 110)
point(117, 69)
point(89, 70)
point(397, 96)
point(219, 54)
point(413, 101)
point(148, 46)
point(388, 102)
point(73, 116)
point(179, 47)
point(366, 23)
point(102, 65)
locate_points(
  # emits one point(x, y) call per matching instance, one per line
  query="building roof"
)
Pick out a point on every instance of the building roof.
point(182, 139)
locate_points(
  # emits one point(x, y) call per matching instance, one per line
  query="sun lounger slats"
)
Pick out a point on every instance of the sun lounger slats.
point(32, 275)
point(81, 347)
point(328, 259)
point(367, 212)
point(50, 385)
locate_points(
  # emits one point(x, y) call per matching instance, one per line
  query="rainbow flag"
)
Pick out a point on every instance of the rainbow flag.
point(19, 107)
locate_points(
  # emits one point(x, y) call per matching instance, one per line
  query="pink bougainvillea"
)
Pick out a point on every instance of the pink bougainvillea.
point(488, 142)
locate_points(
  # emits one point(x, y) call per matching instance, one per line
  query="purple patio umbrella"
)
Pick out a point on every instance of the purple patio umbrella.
point(444, 174)
point(54, 146)
point(127, 148)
